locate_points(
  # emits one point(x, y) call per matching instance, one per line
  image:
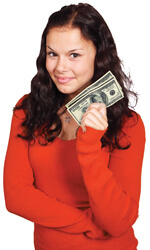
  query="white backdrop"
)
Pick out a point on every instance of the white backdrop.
point(21, 26)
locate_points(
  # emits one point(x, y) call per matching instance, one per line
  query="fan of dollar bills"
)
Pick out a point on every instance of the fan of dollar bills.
point(105, 90)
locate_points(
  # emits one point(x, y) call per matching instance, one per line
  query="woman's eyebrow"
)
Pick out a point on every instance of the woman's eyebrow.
point(75, 49)
point(50, 48)
point(69, 50)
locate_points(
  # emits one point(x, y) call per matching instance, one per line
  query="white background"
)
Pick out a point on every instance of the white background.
point(21, 26)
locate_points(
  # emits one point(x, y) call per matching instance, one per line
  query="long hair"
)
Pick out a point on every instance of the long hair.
point(41, 105)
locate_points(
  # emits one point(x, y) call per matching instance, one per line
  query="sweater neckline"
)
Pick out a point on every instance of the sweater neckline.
point(66, 141)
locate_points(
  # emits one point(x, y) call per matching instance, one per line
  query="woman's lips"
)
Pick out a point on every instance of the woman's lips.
point(64, 79)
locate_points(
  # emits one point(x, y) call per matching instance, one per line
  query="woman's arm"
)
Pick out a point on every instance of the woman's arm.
point(23, 199)
point(113, 184)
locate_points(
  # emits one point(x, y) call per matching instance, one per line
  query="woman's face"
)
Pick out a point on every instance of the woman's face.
point(70, 59)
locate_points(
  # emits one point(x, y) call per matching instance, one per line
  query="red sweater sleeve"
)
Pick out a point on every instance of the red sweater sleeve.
point(23, 199)
point(113, 183)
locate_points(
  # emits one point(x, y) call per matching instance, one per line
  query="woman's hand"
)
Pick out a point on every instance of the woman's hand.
point(95, 117)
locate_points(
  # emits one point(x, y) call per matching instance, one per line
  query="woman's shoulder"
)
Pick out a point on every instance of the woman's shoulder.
point(19, 111)
point(20, 101)
point(132, 131)
point(134, 125)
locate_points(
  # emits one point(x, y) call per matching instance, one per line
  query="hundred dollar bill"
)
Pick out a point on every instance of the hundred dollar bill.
point(107, 77)
point(109, 93)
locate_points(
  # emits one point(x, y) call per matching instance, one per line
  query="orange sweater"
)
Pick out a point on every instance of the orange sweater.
point(78, 195)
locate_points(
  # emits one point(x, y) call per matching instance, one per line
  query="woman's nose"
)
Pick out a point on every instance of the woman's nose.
point(62, 65)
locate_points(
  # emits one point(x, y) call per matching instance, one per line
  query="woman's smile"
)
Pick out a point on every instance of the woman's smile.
point(63, 80)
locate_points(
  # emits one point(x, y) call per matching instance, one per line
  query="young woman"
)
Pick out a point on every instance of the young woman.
point(79, 185)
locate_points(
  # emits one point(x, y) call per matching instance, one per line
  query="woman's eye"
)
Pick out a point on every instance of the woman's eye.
point(51, 54)
point(74, 55)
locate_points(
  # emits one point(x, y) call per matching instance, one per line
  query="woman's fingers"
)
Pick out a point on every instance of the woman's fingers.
point(95, 117)
point(99, 106)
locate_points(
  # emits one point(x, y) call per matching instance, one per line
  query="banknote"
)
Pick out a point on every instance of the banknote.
point(109, 93)
point(108, 76)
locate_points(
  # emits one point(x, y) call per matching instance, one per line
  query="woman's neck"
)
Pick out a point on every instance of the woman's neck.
point(69, 127)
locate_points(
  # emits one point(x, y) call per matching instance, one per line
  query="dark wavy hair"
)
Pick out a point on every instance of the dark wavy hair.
point(41, 105)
